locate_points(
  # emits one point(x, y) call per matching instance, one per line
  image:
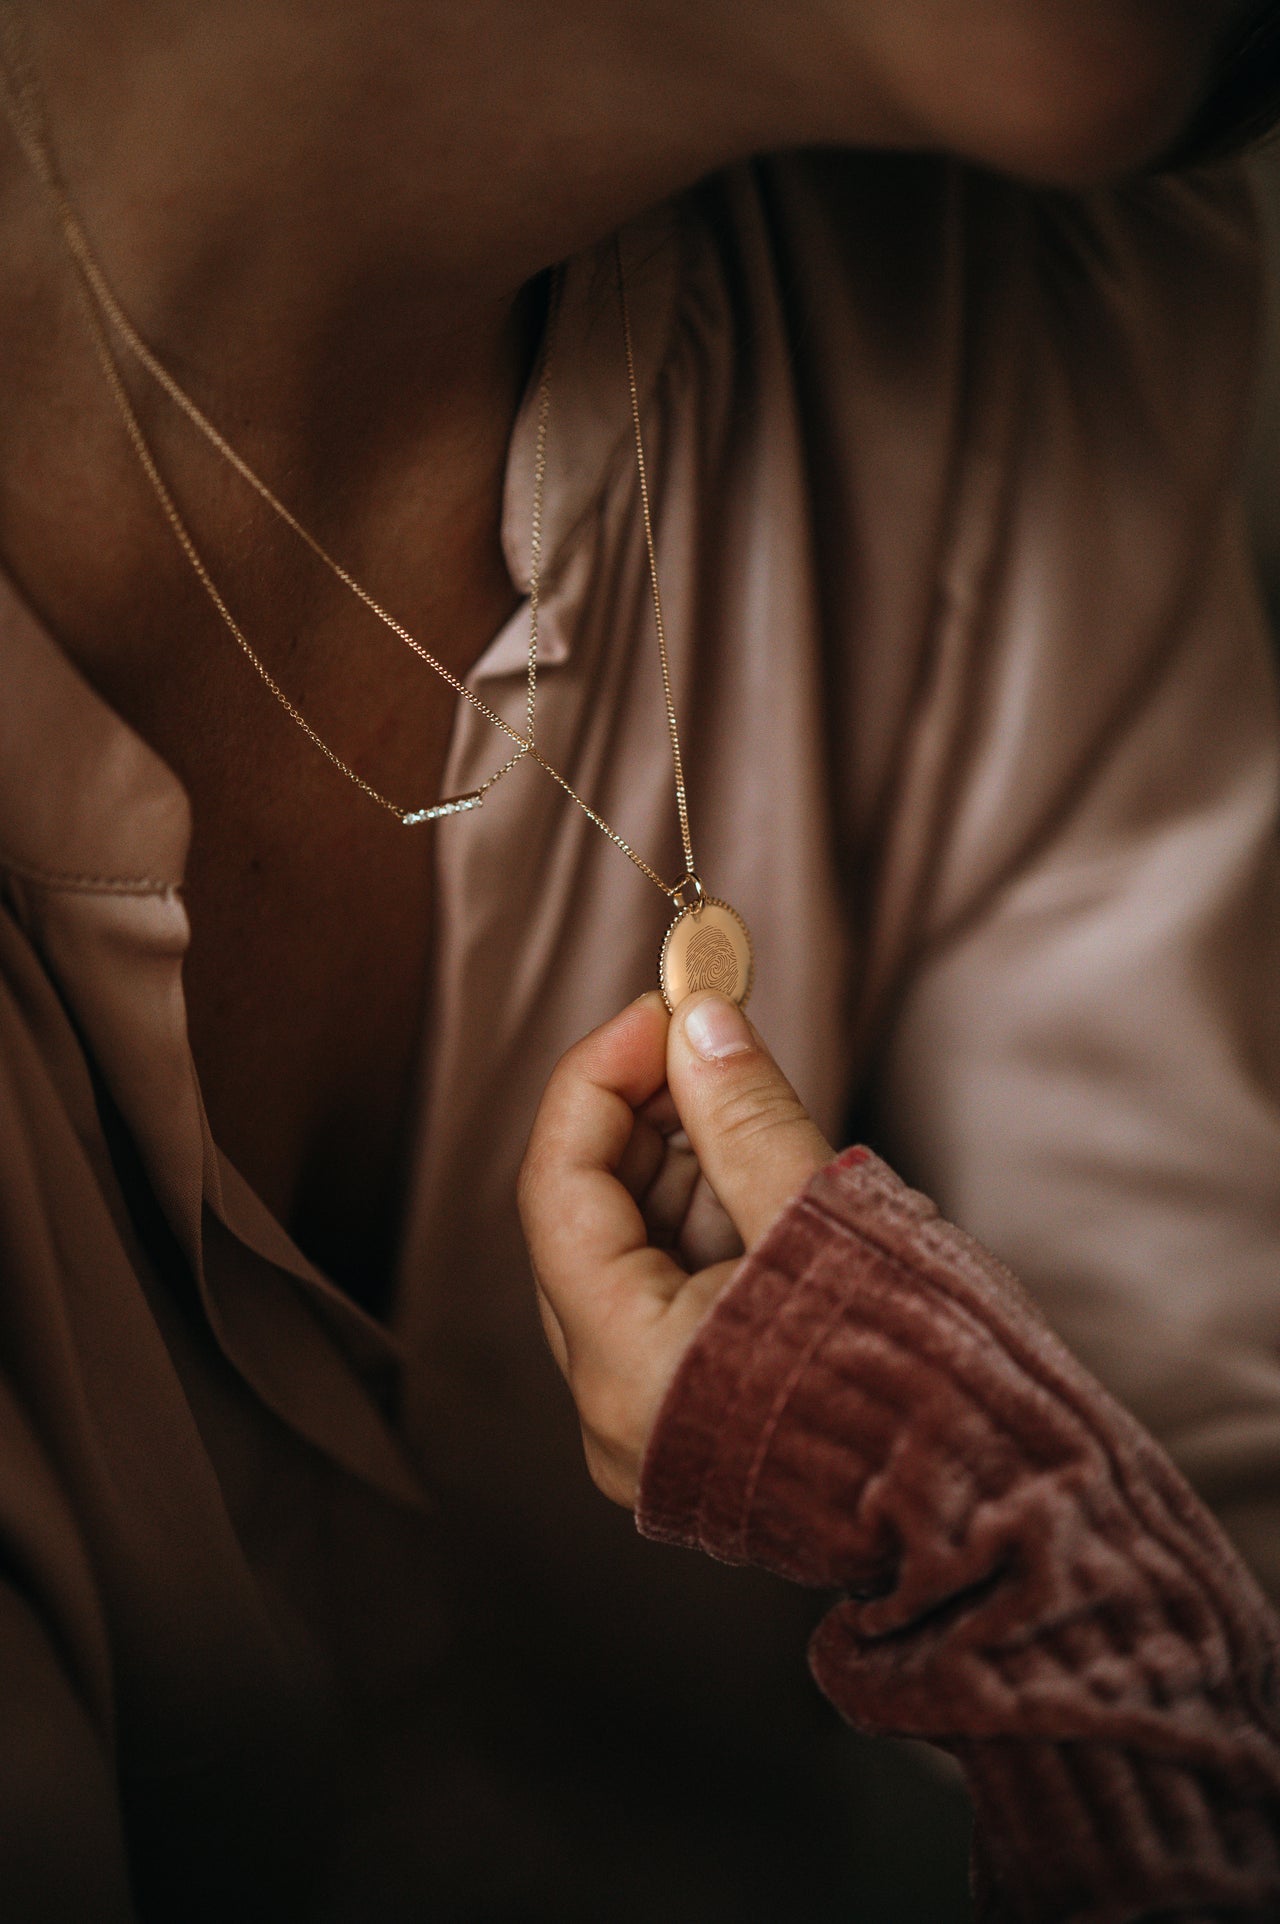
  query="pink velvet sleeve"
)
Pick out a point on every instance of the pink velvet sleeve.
point(1026, 1579)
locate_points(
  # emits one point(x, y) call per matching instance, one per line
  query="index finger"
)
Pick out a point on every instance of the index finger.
point(582, 1225)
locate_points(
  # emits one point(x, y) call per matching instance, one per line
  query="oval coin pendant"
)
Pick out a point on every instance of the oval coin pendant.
point(706, 947)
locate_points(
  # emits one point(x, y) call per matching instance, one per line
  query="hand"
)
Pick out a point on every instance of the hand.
point(661, 1149)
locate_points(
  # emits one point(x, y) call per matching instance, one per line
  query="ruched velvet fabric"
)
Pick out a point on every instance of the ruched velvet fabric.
point(875, 1407)
point(316, 1614)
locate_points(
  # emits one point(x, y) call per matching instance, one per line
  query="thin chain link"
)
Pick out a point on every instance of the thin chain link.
point(25, 108)
point(682, 802)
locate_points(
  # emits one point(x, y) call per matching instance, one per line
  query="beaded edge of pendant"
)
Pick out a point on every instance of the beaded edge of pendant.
point(691, 908)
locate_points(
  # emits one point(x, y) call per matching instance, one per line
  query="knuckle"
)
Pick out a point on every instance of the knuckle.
point(749, 1115)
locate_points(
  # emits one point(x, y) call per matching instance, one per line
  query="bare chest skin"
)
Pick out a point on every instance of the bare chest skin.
point(310, 960)
point(308, 975)
point(311, 908)
point(311, 913)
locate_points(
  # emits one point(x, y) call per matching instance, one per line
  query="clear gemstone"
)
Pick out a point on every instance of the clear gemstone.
point(458, 806)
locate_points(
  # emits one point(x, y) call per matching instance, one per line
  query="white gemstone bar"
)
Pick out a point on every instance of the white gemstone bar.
point(458, 805)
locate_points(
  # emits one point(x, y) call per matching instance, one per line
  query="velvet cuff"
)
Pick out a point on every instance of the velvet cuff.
point(875, 1406)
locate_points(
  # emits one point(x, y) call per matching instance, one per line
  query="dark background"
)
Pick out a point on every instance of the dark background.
point(1264, 460)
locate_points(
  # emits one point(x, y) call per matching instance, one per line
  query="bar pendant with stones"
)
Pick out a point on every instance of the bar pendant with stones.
point(456, 805)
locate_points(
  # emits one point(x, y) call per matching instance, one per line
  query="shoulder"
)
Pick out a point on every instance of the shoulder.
point(1146, 302)
point(914, 277)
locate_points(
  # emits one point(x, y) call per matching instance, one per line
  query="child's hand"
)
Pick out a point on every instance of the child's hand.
point(644, 1125)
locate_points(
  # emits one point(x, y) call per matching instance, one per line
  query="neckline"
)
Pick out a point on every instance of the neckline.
point(86, 804)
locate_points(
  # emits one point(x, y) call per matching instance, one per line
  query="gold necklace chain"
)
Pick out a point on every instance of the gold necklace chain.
point(25, 108)
point(677, 760)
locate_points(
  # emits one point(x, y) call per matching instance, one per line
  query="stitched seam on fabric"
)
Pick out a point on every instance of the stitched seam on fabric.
point(70, 882)
point(936, 1237)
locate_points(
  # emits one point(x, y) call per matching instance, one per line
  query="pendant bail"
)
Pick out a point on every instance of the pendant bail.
point(684, 900)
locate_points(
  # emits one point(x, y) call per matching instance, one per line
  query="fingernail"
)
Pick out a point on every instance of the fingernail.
point(717, 1028)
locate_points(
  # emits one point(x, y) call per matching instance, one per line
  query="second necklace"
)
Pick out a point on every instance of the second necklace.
point(707, 945)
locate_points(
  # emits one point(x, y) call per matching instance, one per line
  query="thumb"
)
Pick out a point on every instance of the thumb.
point(753, 1138)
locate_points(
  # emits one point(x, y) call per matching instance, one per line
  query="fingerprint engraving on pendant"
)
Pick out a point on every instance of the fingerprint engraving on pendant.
point(706, 947)
point(711, 963)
